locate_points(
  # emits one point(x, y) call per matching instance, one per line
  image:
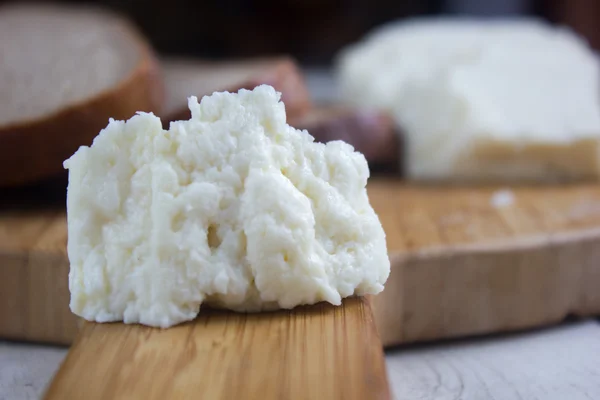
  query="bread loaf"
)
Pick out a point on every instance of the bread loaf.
point(186, 77)
point(64, 72)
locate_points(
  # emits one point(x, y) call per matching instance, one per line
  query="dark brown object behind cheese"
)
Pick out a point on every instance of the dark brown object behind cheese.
point(371, 132)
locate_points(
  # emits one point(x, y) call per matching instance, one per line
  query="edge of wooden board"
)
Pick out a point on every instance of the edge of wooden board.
point(440, 292)
point(540, 281)
point(450, 292)
point(319, 351)
point(35, 298)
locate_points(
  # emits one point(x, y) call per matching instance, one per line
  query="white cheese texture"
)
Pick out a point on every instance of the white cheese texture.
point(233, 208)
point(483, 100)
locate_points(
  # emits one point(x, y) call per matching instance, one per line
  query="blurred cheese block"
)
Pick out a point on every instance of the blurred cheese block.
point(500, 100)
point(374, 71)
point(189, 77)
point(492, 118)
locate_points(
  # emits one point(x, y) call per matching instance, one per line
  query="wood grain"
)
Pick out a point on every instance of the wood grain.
point(317, 352)
point(464, 266)
point(460, 265)
point(34, 272)
point(547, 364)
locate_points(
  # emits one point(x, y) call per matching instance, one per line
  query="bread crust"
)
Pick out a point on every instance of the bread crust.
point(280, 72)
point(35, 149)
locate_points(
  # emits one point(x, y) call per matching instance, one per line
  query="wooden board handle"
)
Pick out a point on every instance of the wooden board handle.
point(316, 352)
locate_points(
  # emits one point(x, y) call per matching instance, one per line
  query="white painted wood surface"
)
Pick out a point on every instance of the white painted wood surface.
point(561, 363)
point(26, 369)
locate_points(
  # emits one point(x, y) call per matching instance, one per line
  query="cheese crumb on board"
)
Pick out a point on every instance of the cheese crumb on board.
point(233, 208)
point(502, 198)
point(483, 100)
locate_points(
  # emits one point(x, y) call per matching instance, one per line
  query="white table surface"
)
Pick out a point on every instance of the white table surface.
point(559, 363)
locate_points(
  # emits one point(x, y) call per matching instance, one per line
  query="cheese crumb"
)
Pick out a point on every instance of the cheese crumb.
point(233, 208)
point(502, 198)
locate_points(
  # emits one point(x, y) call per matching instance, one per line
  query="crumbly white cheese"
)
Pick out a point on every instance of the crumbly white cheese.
point(507, 100)
point(233, 208)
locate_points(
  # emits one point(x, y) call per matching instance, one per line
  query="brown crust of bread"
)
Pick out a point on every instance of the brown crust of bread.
point(36, 149)
point(287, 78)
point(280, 72)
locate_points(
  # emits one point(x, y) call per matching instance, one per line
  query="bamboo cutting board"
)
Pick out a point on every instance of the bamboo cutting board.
point(317, 352)
point(462, 263)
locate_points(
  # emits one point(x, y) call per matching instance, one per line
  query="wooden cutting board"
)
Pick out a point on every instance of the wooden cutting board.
point(316, 352)
point(465, 261)
point(475, 260)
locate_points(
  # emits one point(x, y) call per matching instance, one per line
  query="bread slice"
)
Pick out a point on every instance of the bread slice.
point(371, 132)
point(64, 72)
point(187, 77)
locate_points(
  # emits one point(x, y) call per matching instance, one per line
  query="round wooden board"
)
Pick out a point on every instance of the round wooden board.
point(460, 264)
point(473, 260)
